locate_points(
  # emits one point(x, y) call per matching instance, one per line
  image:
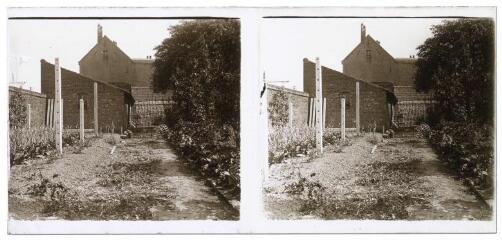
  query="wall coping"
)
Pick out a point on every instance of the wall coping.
point(26, 91)
point(288, 90)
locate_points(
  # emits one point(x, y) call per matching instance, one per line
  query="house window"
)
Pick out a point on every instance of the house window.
point(368, 54)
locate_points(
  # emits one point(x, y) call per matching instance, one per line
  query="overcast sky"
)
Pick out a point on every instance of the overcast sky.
point(70, 40)
point(285, 42)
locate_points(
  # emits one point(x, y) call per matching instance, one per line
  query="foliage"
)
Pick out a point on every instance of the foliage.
point(457, 63)
point(216, 155)
point(17, 110)
point(111, 139)
point(278, 109)
point(287, 141)
point(468, 148)
point(28, 143)
point(200, 62)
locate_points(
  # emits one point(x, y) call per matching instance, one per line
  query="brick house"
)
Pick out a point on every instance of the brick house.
point(370, 62)
point(108, 63)
point(376, 102)
point(113, 101)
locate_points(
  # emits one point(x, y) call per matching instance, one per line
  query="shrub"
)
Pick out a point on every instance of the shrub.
point(213, 151)
point(28, 143)
point(17, 110)
point(468, 148)
point(287, 142)
point(373, 138)
point(200, 63)
point(111, 139)
point(278, 109)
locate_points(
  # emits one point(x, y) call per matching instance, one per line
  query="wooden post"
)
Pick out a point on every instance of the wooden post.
point(126, 117)
point(29, 116)
point(342, 120)
point(324, 114)
point(47, 113)
point(318, 105)
point(51, 113)
point(58, 107)
point(82, 126)
point(358, 117)
point(130, 116)
point(96, 126)
point(311, 112)
point(290, 111)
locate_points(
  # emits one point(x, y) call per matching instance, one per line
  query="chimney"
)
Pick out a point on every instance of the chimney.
point(363, 32)
point(100, 33)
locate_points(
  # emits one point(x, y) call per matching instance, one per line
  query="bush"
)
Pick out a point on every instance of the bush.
point(17, 110)
point(468, 148)
point(213, 151)
point(200, 63)
point(278, 109)
point(28, 143)
point(284, 142)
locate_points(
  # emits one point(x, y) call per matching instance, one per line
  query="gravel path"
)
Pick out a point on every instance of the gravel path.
point(402, 179)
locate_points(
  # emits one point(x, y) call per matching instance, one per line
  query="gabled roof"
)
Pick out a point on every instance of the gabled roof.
point(108, 42)
point(370, 41)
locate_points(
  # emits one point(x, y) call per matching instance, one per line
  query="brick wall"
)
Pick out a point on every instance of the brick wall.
point(299, 102)
point(379, 66)
point(108, 63)
point(111, 100)
point(374, 99)
point(38, 104)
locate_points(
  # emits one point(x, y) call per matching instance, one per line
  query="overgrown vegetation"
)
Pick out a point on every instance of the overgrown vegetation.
point(17, 110)
point(200, 62)
point(28, 143)
point(457, 64)
point(389, 199)
point(278, 108)
point(285, 141)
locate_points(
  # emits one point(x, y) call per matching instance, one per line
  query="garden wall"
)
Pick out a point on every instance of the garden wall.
point(299, 103)
point(376, 102)
point(38, 104)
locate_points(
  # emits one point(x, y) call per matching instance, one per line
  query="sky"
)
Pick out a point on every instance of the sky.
point(29, 41)
point(285, 42)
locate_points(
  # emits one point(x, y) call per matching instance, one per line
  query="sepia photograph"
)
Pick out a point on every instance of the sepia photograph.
point(124, 119)
point(381, 118)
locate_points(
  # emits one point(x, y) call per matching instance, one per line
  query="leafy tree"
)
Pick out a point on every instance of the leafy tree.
point(200, 61)
point(457, 63)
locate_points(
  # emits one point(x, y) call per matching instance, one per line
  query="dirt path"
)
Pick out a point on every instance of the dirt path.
point(402, 179)
point(142, 180)
point(194, 200)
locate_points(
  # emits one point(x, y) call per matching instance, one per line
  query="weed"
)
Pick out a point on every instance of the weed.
point(111, 139)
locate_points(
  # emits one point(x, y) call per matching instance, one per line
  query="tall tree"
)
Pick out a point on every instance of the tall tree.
point(200, 62)
point(457, 64)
